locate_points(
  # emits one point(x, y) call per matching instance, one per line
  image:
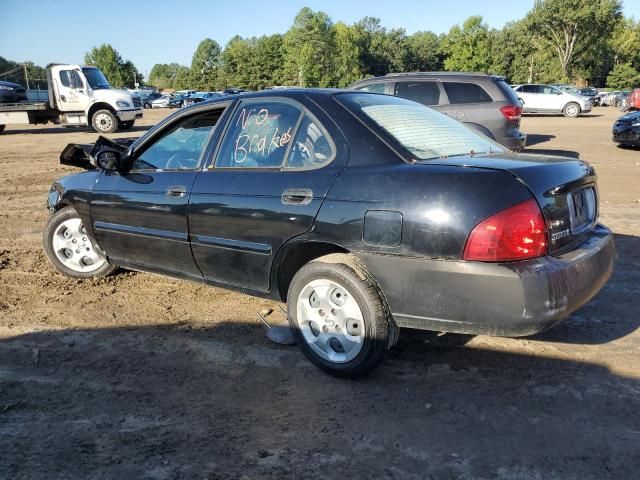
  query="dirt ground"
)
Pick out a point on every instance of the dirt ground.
point(143, 377)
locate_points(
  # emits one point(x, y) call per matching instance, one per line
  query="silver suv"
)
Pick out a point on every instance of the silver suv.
point(480, 101)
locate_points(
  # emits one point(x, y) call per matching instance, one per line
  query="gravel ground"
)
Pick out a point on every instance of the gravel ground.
point(145, 377)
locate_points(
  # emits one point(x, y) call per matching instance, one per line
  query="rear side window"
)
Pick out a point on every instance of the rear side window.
point(373, 87)
point(426, 93)
point(259, 135)
point(312, 147)
point(465, 93)
point(530, 89)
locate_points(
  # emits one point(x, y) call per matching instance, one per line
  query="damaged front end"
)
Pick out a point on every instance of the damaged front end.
point(83, 155)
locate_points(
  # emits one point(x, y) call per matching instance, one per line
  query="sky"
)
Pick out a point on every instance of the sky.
point(149, 32)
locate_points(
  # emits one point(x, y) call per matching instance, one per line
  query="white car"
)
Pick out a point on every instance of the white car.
point(162, 102)
point(538, 98)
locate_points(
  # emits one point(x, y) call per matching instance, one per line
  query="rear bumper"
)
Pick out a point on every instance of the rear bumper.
point(516, 141)
point(509, 299)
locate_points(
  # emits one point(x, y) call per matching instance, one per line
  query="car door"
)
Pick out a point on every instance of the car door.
point(140, 216)
point(552, 98)
point(530, 95)
point(272, 170)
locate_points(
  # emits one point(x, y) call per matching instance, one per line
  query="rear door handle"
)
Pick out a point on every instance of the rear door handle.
point(176, 191)
point(297, 196)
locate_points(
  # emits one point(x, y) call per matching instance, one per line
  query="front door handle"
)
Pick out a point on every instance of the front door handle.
point(176, 191)
point(297, 196)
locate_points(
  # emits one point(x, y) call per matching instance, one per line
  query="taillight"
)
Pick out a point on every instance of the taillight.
point(511, 112)
point(517, 233)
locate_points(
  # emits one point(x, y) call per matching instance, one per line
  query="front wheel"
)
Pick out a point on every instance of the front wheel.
point(104, 121)
point(70, 249)
point(339, 316)
point(571, 110)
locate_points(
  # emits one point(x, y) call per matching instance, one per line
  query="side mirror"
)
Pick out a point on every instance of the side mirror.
point(109, 160)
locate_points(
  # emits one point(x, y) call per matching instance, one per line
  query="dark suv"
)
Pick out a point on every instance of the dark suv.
point(483, 102)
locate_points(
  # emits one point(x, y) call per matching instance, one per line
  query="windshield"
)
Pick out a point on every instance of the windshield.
point(425, 133)
point(96, 78)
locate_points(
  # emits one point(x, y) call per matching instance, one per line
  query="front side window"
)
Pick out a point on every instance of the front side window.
point(259, 135)
point(96, 78)
point(180, 147)
point(373, 87)
point(530, 89)
point(70, 79)
point(426, 93)
point(425, 133)
point(459, 92)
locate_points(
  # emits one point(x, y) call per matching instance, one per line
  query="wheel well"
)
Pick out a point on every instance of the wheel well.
point(296, 257)
point(98, 106)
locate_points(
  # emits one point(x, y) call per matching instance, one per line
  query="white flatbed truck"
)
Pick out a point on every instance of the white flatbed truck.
point(77, 96)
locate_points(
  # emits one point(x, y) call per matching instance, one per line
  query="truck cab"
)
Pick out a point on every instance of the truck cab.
point(84, 96)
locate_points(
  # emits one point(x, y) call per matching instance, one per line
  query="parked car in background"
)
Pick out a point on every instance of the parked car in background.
point(592, 94)
point(480, 101)
point(177, 100)
point(12, 93)
point(233, 91)
point(184, 92)
point(162, 102)
point(363, 212)
point(199, 97)
point(626, 130)
point(148, 99)
point(538, 98)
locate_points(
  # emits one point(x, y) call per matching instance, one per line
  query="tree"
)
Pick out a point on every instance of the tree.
point(347, 55)
point(625, 42)
point(204, 64)
point(423, 52)
point(623, 76)
point(468, 49)
point(162, 75)
point(308, 50)
point(236, 62)
point(267, 63)
point(569, 27)
point(119, 72)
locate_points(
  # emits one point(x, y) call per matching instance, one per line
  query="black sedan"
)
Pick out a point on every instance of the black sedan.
point(363, 212)
point(626, 130)
point(12, 93)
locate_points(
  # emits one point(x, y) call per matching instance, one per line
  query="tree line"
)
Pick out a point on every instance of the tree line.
point(574, 41)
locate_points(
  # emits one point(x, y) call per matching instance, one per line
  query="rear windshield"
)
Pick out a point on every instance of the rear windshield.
point(423, 132)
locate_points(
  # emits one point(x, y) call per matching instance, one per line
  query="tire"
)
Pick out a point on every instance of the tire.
point(104, 121)
point(339, 316)
point(71, 250)
point(571, 110)
point(2, 127)
point(147, 105)
point(126, 125)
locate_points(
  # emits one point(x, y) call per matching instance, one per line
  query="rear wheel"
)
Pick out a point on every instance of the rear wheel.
point(70, 249)
point(339, 316)
point(571, 110)
point(104, 121)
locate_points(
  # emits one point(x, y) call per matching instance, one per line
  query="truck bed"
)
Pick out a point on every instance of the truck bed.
point(23, 106)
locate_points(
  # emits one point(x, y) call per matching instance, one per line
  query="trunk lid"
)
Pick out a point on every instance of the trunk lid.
point(565, 189)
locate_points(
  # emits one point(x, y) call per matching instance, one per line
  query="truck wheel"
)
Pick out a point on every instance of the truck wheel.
point(339, 316)
point(571, 110)
point(70, 249)
point(104, 121)
point(126, 125)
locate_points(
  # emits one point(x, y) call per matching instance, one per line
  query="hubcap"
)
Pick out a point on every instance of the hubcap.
point(104, 121)
point(572, 110)
point(330, 320)
point(74, 249)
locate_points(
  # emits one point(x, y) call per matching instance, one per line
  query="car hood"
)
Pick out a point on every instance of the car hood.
point(11, 84)
point(629, 117)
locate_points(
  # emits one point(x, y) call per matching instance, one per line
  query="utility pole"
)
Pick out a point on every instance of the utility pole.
point(26, 75)
point(530, 79)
